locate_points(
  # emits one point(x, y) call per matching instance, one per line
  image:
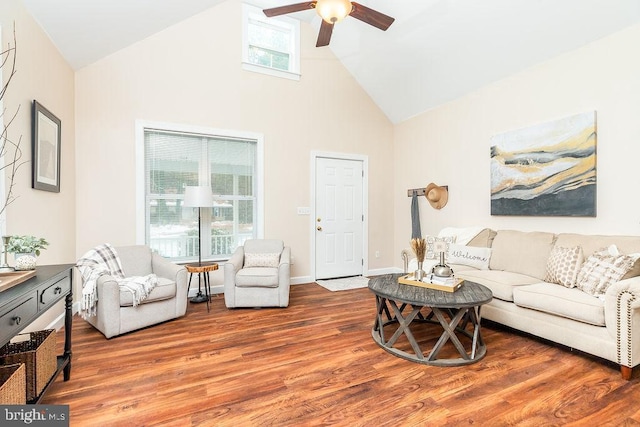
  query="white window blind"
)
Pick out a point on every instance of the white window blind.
point(175, 160)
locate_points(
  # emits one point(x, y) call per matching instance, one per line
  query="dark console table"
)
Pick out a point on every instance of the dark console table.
point(22, 304)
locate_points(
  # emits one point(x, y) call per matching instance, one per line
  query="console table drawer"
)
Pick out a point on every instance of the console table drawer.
point(54, 292)
point(14, 319)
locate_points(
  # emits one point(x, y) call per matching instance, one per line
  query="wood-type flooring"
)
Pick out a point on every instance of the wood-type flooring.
point(316, 364)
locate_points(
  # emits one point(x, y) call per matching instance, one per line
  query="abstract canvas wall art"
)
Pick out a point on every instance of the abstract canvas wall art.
point(546, 170)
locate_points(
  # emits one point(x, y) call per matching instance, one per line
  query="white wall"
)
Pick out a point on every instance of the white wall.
point(449, 145)
point(191, 74)
point(42, 74)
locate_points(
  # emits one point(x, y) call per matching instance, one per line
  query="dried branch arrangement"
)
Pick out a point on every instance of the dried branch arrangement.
point(419, 247)
point(10, 151)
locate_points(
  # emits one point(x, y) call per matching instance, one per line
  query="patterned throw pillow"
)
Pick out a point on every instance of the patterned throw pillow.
point(601, 270)
point(434, 243)
point(261, 260)
point(564, 265)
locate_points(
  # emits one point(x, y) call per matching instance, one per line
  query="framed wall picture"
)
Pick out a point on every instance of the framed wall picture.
point(45, 149)
point(547, 169)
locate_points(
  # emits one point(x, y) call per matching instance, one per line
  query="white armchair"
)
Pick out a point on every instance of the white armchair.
point(258, 275)
point(115, 313)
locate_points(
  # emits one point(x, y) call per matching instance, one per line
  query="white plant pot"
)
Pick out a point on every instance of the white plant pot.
point(25, 261)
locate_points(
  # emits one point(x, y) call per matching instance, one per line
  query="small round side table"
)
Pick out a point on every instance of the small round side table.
point(203, 270)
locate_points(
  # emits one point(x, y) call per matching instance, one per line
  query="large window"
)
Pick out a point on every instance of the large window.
point(229, 164)
point(270, 45)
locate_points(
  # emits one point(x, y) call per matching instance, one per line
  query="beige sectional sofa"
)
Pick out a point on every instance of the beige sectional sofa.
point(577, 314)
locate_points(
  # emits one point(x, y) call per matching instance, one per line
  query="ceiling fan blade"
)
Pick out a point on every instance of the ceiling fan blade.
point(371, 17)
point(290, 8)
point(324, 37)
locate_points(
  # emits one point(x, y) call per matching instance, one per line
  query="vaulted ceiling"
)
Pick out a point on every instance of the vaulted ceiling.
point(435, 51)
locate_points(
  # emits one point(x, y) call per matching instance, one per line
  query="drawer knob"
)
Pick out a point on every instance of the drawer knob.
point(17, 320)
point(57, 290)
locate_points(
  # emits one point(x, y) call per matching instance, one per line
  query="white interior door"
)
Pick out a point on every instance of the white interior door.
point(339, 218)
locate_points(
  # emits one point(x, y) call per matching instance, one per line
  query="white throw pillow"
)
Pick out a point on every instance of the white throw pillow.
point(433, 243)
point(261, 259)
point(469, 255)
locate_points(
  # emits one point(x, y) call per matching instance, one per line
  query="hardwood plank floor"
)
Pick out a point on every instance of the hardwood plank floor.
point(315, 363)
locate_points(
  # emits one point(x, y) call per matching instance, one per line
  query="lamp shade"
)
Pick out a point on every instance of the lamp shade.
point(333, 11)
point(198, 197)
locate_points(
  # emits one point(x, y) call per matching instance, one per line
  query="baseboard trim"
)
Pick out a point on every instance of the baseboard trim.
point(58, 322)
point(381, 271)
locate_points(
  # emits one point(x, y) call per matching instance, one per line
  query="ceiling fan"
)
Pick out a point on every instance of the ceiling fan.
point(332, 11)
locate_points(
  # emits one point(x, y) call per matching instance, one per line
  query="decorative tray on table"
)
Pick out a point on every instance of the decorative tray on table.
point(447, 284)
point(12, 278)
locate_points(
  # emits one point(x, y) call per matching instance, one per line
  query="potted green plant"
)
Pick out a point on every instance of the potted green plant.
point(25, 250)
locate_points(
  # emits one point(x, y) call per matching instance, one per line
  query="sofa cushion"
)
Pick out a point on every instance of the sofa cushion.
point(501, 283)
point(521, 252)
point(563, 265)
point(469, 255)
point(635, 270)
point(593, 243)
point(135, 260)
point(257, 277)
point(483, 239)
point(263, 245)
point(165, 289)
point(558, 300)
point(602, 269)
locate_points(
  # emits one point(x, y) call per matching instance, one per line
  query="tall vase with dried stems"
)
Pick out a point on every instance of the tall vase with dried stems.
point(419, 247)
point(10, 151)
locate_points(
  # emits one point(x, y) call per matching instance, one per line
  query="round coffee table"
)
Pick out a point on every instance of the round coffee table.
point(458, 313)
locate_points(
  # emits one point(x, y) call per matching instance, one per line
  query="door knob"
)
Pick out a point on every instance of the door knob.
point(319, 228)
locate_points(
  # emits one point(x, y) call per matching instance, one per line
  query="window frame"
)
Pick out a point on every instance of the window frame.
point(252, 13)
point(141, 211)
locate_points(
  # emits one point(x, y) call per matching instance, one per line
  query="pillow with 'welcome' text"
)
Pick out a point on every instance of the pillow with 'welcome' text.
point(469, 255)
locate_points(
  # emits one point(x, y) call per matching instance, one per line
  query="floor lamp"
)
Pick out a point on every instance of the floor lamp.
point(198, 197)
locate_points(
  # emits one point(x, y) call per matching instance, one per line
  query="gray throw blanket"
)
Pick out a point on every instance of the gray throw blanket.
point(103, 260)
point(416, 233)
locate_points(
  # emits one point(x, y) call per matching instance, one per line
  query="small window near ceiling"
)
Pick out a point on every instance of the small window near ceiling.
point(270, 45)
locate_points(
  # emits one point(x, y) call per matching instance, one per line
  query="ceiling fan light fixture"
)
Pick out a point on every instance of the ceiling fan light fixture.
point(333, 11)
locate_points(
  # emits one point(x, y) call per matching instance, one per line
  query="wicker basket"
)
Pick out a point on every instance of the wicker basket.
point(13, 384)
point(38, 353)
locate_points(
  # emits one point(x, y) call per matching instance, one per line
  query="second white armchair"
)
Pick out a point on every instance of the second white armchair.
point(258, 275)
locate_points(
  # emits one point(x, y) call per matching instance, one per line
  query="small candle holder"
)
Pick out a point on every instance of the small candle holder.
point(4, 267)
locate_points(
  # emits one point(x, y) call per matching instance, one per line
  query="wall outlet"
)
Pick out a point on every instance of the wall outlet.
point(291, 260)
point(377, 254)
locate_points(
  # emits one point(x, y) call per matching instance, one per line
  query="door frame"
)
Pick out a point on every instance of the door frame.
point(365, 205)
